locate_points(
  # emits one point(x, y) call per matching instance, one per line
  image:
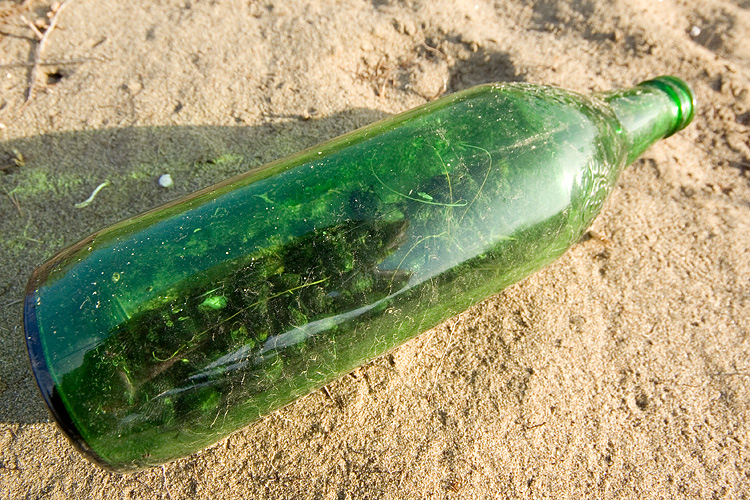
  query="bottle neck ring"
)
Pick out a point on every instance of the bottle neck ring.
point(682, 96)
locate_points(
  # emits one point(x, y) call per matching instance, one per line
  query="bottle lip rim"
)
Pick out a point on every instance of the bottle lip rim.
point(682, 95)
point(47, 387)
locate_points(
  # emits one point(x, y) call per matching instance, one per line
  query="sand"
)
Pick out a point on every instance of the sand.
point(620, 371)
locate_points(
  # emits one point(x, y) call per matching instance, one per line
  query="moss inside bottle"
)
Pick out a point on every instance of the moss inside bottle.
point(162, 334)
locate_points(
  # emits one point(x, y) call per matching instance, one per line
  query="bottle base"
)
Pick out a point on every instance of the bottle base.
point(47, 387)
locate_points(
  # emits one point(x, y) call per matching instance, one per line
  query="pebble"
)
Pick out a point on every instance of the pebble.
point(166, 181)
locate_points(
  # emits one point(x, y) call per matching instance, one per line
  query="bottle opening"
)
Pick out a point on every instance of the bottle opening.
point(681, 94)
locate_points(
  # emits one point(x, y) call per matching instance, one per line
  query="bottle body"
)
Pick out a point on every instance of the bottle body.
point(165, 333)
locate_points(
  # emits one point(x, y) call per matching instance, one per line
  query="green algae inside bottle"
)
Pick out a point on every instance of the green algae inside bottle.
point(165, 333)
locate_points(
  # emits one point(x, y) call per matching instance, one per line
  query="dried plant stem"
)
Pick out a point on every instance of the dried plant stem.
point(40, 50)
point(32, 27)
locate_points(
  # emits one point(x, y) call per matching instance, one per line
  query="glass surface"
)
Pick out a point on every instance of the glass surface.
point(165, 333)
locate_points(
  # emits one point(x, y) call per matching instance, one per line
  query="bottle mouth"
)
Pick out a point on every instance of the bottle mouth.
point(682, 95)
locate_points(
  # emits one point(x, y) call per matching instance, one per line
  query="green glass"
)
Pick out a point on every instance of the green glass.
point(164, 333)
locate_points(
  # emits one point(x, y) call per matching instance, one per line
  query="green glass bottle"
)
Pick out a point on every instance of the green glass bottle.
point(164, 333)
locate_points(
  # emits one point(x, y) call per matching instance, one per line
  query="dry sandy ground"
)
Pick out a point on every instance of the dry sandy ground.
point(621, 371)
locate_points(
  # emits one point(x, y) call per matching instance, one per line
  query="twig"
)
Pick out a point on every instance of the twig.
point(434, 50)
point(447, 350)
point(15, 202)
point(164, 480)
point(33, 27)
point(26, 230)
point(40, 49)
point(88, 200)
point(529, 427)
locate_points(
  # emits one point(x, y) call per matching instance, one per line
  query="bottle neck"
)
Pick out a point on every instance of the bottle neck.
point(650, 111)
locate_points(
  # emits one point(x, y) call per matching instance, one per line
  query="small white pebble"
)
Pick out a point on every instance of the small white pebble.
point(166, 181)
point(695, 31)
